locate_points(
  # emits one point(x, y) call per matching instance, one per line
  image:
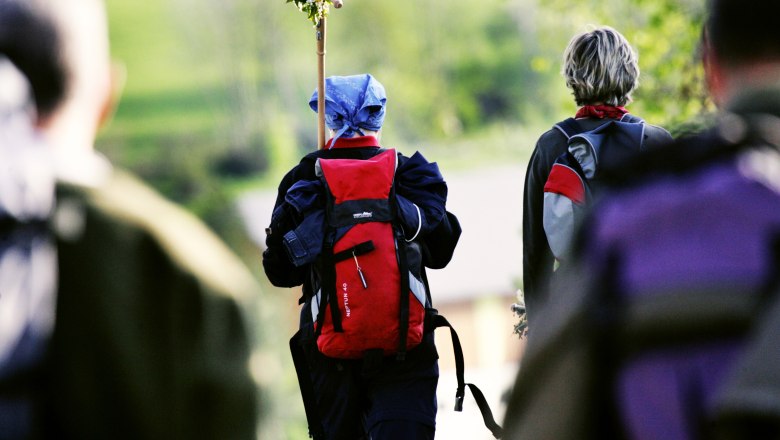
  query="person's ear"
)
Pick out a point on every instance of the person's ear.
point(118, 73)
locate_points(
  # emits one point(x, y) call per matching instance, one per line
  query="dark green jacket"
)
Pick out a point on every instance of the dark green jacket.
point(149, 340)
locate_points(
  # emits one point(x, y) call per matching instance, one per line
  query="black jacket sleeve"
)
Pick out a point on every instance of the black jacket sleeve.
point(277, 265)
point(439, 245)
point(538, 259)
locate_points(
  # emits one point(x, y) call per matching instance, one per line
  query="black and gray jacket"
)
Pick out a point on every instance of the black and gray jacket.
point(538, 259)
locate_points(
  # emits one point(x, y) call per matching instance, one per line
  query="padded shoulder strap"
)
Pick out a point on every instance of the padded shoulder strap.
point(628, 117)
point(569, 127)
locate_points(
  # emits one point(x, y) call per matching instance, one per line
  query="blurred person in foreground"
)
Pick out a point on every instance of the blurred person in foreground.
point(669, 330)
point(119, 312)
point(601, 68)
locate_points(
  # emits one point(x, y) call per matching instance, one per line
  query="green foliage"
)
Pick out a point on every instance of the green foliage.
point(315, 10)
point(217, 92)
point(665, 34)
point(223, 86)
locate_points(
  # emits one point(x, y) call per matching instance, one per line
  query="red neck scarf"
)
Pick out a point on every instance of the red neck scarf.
point(353, 142)
point(601, 112)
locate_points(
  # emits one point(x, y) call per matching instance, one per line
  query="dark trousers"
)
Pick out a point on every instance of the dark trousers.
point(377, 398)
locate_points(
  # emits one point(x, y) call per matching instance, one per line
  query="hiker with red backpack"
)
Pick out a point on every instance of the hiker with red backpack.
point(601, 69)
point(356, 225)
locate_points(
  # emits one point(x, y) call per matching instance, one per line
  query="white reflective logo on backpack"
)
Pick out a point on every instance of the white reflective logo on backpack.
point(315, 305)
point(364, 214)
point(346, 299)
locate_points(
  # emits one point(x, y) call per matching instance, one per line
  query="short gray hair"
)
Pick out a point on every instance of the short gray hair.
point(600, 66)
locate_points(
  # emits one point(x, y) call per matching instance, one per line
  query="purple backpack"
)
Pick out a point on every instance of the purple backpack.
point(666, 323)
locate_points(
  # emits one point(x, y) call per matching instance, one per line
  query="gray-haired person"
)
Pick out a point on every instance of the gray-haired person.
point(671, 330)
point(601, 68)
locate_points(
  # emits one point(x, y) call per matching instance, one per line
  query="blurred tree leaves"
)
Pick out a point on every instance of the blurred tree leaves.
point(665, 33)
point(217, 91)
point(314, 10)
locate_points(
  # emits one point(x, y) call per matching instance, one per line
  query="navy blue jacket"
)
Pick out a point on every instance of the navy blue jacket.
point(439, 233)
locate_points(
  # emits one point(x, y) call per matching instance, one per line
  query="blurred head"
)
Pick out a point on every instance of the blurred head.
point(353, 104)
point(37, 58)
point(742, 45)
point(600, 67)
point(62, 48)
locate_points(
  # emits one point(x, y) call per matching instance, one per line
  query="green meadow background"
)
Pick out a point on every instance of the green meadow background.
point(216, 93)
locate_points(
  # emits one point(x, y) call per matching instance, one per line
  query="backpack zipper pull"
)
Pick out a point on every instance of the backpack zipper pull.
point(360, 271)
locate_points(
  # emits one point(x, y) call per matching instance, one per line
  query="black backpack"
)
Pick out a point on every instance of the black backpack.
point(568, 189)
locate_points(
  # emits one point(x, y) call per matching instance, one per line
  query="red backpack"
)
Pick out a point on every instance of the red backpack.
point(370, 297)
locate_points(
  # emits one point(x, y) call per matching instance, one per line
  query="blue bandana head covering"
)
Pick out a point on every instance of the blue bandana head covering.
point(351, 103)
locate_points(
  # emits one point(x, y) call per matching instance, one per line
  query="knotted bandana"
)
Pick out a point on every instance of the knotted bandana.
point(351, 103)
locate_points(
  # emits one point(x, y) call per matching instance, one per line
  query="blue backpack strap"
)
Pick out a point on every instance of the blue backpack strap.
point(628, 117)
point(569, 127)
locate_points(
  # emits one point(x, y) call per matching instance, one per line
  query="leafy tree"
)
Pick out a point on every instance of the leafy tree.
point(666, 35)
point(221, 96)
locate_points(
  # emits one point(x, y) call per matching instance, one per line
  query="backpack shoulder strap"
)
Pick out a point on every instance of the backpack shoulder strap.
point(628, 117)
point(569, 127)
point(434, 321)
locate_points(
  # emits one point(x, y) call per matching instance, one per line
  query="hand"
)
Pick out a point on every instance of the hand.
point(338, 3)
